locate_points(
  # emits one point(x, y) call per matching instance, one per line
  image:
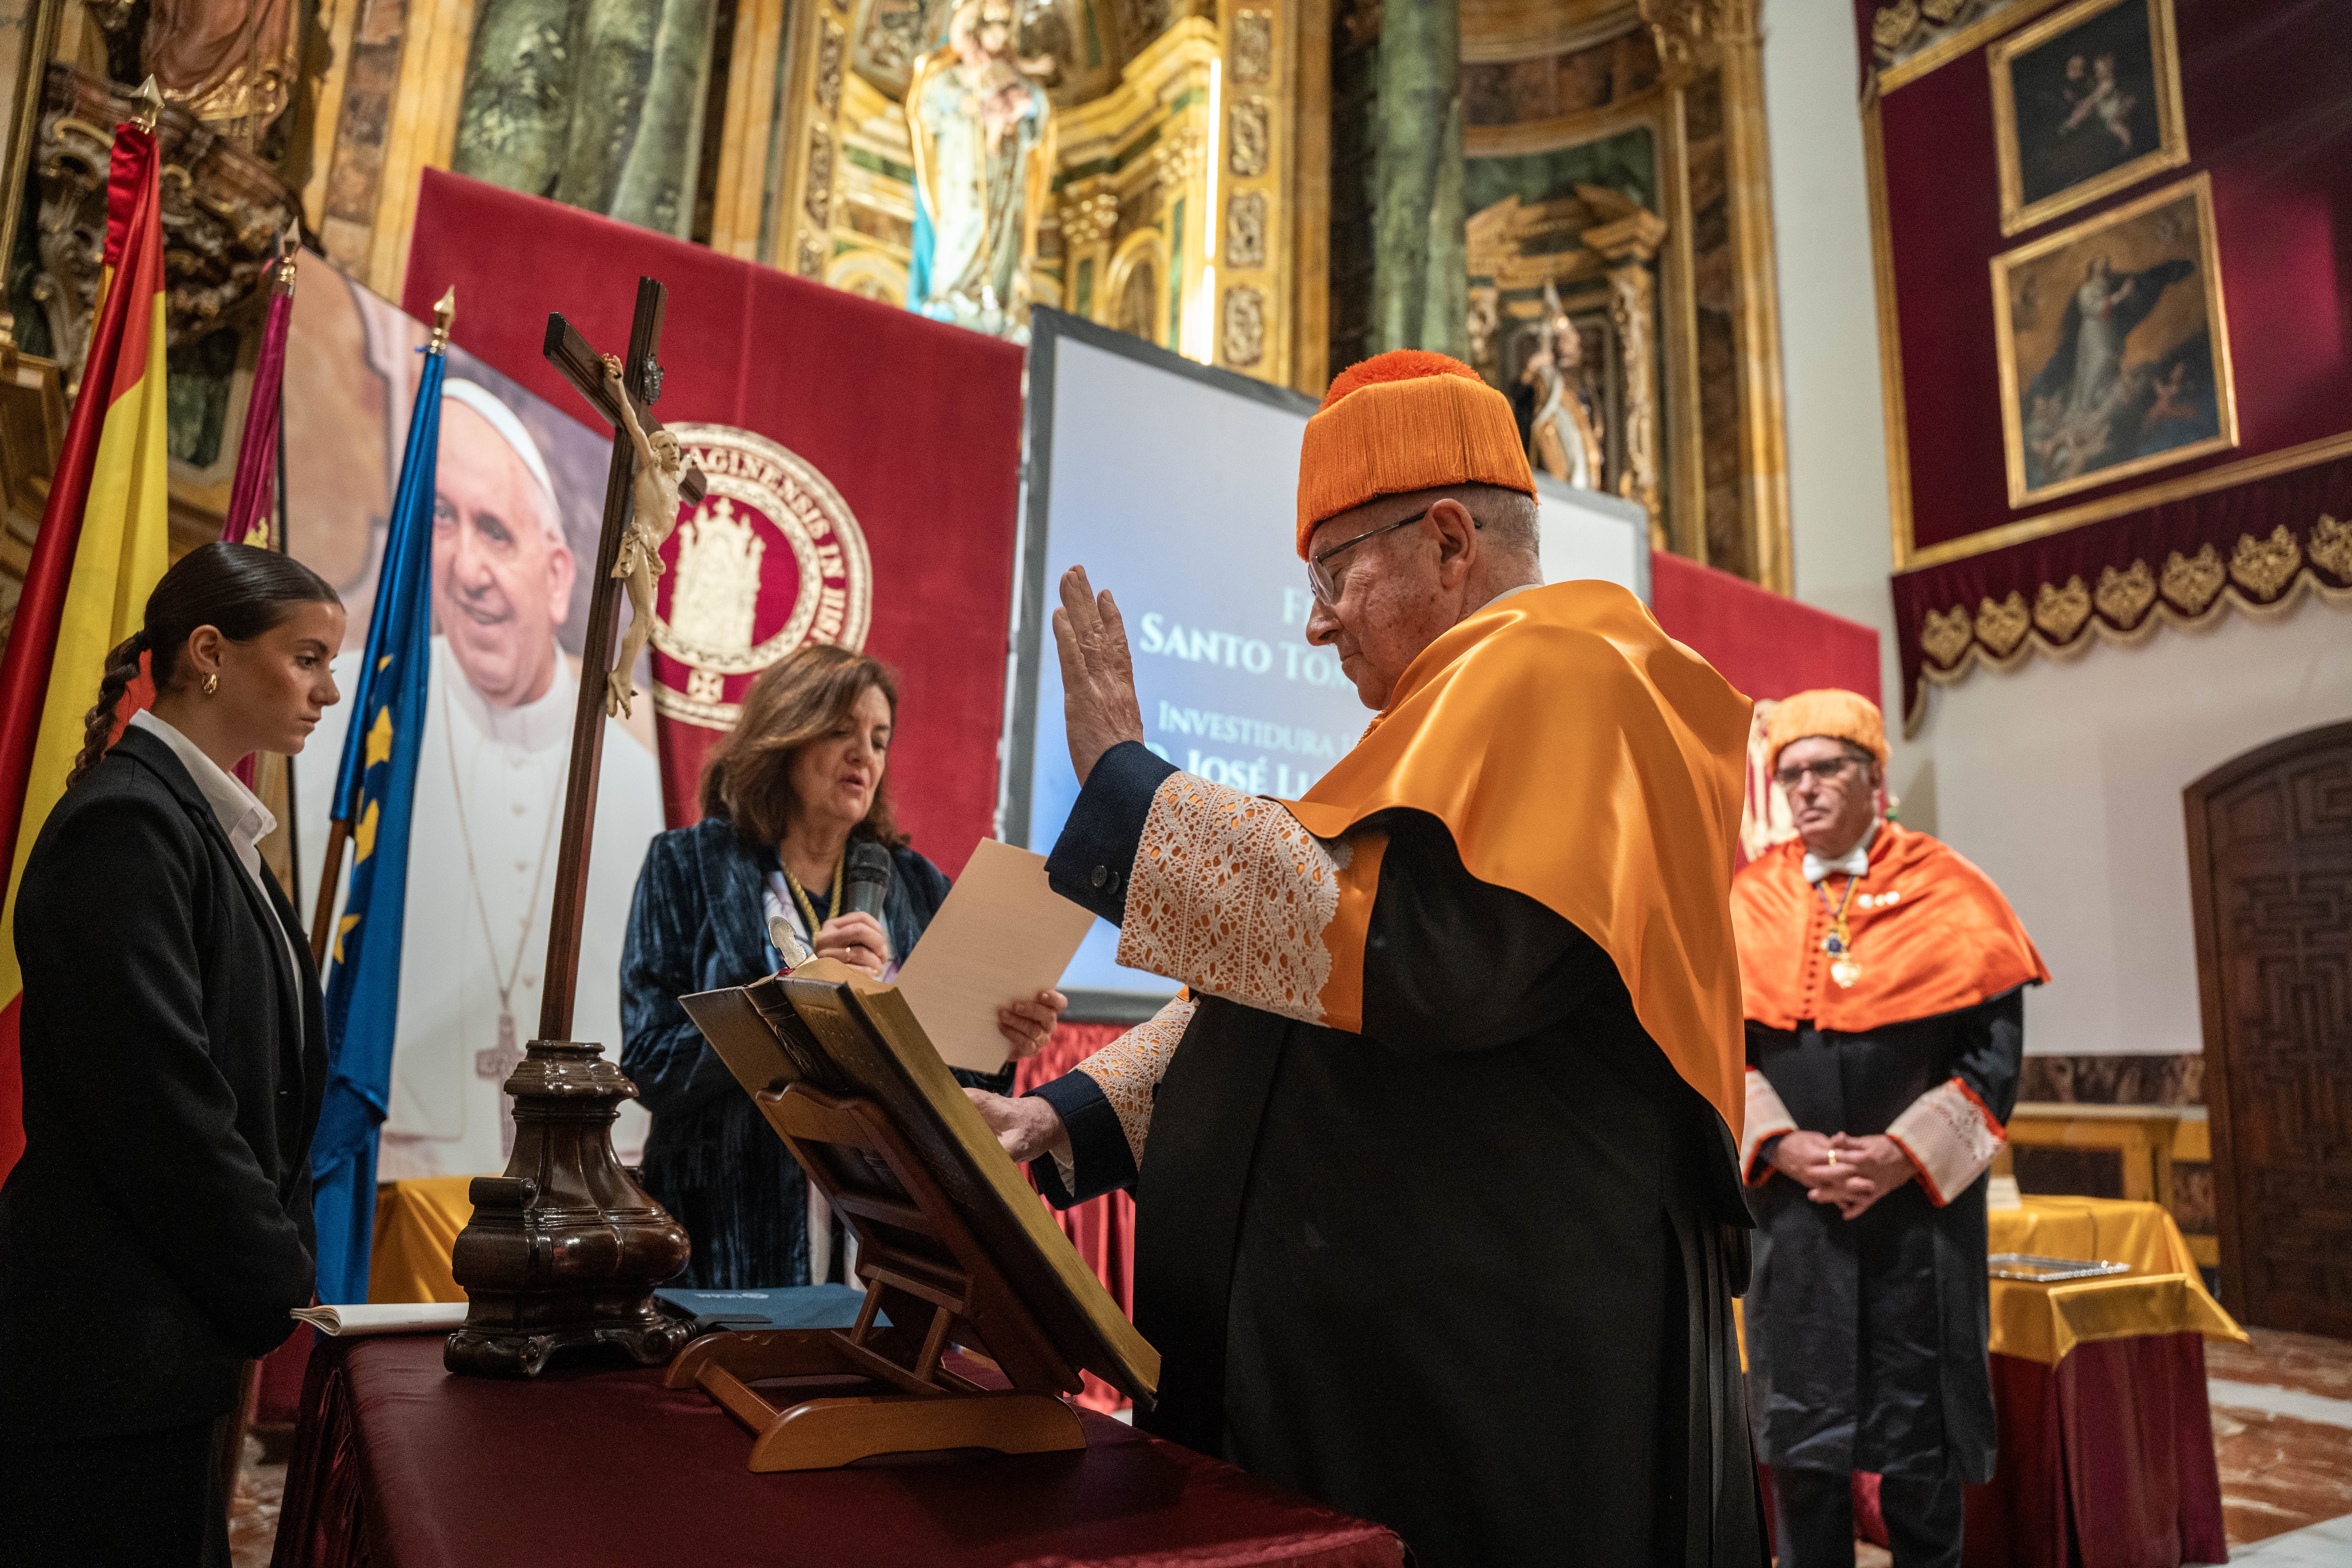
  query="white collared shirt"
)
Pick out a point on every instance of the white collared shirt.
point(242, 816)
point(1853, 863)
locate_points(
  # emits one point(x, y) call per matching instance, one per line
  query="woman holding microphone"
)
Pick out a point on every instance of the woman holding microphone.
point(787, 799)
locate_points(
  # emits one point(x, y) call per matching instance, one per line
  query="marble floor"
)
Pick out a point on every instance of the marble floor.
point(2282, 1432)
point(253, 1511)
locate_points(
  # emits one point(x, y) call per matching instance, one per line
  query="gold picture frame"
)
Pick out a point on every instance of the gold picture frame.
point(2099, 78)
point(2078, 410)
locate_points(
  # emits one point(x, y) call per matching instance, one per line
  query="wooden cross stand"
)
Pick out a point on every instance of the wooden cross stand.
point(564, 1249)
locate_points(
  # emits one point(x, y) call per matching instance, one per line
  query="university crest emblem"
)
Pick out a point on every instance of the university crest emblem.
point(771, 559)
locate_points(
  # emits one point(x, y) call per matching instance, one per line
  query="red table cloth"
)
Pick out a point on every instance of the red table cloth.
point(2107, 1461)
point(396, 1464)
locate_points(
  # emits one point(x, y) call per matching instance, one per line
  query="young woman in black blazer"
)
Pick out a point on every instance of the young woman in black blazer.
point(157, 1229)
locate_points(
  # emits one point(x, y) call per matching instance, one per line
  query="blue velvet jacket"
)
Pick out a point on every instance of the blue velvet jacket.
point(711, 1158)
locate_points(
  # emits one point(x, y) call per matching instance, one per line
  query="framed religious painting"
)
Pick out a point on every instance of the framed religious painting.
point(2113, 346)
point(2085, 102)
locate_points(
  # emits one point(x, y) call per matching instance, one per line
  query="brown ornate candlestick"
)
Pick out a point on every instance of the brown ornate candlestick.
point(564, 1250)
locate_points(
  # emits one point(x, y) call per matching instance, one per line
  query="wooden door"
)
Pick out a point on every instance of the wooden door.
point(2270, 855)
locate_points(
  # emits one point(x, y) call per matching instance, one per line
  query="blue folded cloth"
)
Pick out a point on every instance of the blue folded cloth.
point(752, 1311)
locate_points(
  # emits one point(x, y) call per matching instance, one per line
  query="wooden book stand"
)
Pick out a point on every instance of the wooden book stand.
point(924, 1269)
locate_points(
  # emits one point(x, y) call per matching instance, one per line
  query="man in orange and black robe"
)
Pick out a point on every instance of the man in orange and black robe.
point(1438, 1219)
point(1884, 978)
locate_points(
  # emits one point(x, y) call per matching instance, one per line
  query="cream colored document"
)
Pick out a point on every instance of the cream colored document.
point(385, 1317)
point(1002, 936)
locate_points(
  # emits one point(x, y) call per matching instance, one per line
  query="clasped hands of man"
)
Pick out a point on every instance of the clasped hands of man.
point(1838, 1168)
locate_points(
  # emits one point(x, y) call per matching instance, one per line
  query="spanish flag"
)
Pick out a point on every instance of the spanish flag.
point(102, 547)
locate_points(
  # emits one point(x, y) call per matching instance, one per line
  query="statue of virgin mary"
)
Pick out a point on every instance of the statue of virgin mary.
point(983, 141)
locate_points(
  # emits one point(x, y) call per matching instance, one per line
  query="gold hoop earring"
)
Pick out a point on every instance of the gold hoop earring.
point(212, 683)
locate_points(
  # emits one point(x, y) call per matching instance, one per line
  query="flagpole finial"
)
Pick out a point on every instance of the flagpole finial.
point(289, 245)
point(445, 311)
point(151, 98)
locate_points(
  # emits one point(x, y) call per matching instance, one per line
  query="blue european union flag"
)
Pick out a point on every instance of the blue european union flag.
point(375, 791)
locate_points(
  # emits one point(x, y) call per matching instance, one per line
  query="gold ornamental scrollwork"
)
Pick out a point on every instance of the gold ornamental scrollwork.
point(2192, 581)
point(2001, 626)
point(1252, 47)
point(819, 199)
point(2061, 612)
point(2123, 596)
point(2263, 579)
point(1245, 327)
point(1947, 634)
point(1250, 138)
point(2264, 567)
point(1891, 27)
point(1245, 229)
point(828, 67)
point(2331, 545)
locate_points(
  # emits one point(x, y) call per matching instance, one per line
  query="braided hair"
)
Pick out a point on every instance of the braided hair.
point(240, 590)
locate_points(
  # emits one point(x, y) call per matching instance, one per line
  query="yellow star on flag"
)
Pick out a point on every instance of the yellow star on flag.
point(379, 739)
point(363, 836)
point(341, 927)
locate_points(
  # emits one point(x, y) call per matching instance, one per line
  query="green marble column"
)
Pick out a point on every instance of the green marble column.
point(616, 50)
point(516, 119)
point(656, 180)
point(597, 103)
point(1420, 284)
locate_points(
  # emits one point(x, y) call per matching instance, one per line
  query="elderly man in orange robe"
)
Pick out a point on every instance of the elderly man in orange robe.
point(1438, 1219)
point(1884, 981)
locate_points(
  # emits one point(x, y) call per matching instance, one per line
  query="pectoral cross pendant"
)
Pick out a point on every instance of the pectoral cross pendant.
point(499, 1064)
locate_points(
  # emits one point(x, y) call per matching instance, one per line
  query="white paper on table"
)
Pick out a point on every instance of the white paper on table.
point(385, 1317)
point(1002, 936)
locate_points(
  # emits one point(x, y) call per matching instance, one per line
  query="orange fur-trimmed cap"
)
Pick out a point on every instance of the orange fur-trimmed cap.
point(1840, 715)
point(1402, 421)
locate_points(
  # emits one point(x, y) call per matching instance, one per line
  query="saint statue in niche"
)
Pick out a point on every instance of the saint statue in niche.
point(224, 60)
point(983, 142)
point(1564, 439)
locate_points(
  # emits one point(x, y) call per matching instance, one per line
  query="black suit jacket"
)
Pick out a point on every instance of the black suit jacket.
point(158, 1229)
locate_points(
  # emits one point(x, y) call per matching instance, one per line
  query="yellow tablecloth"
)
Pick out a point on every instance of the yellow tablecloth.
point(417, 1227)
point(2163, 1294)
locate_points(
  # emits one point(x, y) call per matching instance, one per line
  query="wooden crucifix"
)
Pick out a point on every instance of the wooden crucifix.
point(564, 1197)
point(641, 378)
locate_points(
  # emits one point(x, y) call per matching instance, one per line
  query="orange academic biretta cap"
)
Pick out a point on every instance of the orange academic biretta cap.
point(1840, 715)
point(1402, 421)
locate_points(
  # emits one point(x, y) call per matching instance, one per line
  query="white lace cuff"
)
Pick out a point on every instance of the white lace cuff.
point(1231, 894)
point(1950, 1136)
point(1129, 1070)
point(1766, 1118)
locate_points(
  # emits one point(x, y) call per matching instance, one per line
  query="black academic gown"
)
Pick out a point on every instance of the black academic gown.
point(1866, 1339)
point(1469, 1273)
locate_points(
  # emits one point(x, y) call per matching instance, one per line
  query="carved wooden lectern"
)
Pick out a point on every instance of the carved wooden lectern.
point(564, 1249)
point(952, 1244)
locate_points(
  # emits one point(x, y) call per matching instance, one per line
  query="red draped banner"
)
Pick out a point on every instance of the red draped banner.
point(2120, 395)
point(864, 466)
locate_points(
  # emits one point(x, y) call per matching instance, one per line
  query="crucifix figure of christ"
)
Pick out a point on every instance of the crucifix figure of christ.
point(652, 522)
point(564, 1250)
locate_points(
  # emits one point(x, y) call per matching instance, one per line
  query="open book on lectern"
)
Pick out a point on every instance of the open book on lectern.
point(851, 1037)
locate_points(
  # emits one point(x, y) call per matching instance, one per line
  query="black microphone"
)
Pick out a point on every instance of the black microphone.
point(865, 881)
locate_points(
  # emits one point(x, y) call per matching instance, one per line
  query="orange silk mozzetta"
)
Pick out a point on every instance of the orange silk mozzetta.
point(1580, 755)
point(1930, 932)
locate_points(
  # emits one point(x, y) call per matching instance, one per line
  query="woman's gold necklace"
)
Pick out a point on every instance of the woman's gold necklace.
point(799, 894)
